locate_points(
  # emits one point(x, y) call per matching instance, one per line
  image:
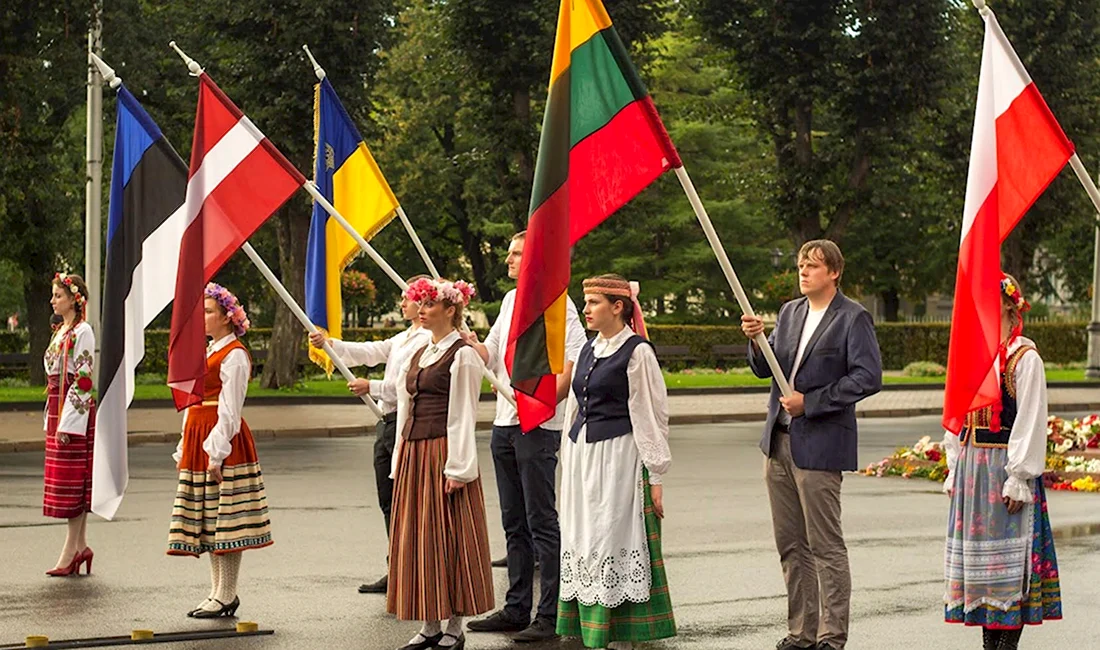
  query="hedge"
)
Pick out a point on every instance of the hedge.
point(901, 343)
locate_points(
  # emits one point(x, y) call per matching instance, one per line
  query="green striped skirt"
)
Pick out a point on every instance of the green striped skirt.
point(597, 625)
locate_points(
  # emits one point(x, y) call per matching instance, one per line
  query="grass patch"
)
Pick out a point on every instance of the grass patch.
point(319, 386)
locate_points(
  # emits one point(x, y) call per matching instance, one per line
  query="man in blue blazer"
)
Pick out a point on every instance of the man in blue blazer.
point(826, 347)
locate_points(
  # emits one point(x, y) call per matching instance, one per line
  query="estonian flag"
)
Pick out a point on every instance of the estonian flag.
point(144, 231)
point(347, 175)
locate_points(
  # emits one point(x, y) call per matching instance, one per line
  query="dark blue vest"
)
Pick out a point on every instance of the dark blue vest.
point(978, 422)
point(603, 390)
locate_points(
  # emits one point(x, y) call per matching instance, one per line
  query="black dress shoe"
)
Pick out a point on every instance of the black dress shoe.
point(428, 642)
point(497, 622)
point(502, 563)
point(791, 643)
point(542, 629)
point(826, 646)
point(226, 610)
point(376, 587)
point(459, 644)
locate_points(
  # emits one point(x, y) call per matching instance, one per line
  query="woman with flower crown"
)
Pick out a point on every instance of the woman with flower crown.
point(439, 543)
point(220, 506)
point(1000, 567)
point(614, 591)
point(69, 422)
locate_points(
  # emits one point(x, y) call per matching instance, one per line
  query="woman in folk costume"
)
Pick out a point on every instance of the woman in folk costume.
point(614, 592)
point(220, 506)
point(70, 422)
point(1000, 566)
point(439, 544)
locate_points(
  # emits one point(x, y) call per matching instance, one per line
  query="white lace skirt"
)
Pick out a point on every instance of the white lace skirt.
point(604, 554)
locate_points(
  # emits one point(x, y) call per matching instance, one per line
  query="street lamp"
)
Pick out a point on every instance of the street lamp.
point(777, 257)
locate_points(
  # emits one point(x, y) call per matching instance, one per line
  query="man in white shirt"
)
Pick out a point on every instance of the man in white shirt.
point(393, 352)
point(825, 344)
point(526, 466)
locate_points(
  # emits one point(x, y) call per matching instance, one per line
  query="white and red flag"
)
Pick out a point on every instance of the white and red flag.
point(1016, 151)
point(237, 180)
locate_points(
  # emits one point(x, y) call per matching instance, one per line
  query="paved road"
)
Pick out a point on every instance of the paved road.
point(722, 566)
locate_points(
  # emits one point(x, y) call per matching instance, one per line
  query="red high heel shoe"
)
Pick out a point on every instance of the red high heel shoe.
point(86, 559)
point(73, 568)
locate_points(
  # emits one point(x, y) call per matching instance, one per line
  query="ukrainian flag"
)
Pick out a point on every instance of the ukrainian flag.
point(347, 175)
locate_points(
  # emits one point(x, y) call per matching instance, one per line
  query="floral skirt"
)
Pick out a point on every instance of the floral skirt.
point(1001, 570)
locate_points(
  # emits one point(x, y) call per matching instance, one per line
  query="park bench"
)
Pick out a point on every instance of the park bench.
point(725, 353)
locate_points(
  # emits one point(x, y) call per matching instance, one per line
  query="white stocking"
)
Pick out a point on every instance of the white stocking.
point(454, 629)
point(227, 577)
point(431, 628)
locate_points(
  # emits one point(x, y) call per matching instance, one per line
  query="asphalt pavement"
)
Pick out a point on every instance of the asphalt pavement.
point(724, 573)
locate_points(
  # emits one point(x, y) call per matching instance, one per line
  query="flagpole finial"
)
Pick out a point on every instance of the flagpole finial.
point(106, 71)
point(194, 67)
point(982, 8)
point(317, 69)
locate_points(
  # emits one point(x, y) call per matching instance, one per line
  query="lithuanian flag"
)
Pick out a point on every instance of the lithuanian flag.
point(602, 143)
point(347, 175)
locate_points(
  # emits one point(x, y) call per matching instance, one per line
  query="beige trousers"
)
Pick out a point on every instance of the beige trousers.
point(806, 518)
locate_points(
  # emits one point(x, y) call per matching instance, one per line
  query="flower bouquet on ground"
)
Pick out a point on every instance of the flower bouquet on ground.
point(925, 459)
point(1073, 454)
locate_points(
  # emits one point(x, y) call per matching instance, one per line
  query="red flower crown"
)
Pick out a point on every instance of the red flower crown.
point(67, 281)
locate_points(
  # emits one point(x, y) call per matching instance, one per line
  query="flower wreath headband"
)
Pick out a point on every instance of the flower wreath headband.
point(424, 290)
point(1009, 289)
point(231, 306)
point(66, 280)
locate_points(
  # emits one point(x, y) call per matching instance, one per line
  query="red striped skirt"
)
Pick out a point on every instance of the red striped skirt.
point(68, 473)
point(211, 517)
point(439, 543)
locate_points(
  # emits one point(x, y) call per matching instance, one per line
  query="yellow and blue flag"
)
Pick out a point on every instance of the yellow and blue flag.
point(347, 175)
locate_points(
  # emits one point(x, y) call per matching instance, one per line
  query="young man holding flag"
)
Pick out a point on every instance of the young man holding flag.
point(526, 464)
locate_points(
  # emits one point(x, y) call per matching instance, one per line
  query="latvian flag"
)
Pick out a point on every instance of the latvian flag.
point(236, 181)
point(1016, 151)
point(144, 229)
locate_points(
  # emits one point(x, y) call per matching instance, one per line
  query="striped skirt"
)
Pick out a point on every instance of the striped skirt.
point(218, 518)
point(68, 472)
point(635, 622)
point(439, 543)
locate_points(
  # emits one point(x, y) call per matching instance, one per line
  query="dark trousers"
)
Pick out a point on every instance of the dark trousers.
point(526, 469)
point(384, 442)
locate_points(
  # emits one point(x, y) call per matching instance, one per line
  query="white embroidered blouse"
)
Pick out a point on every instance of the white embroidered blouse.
point(78, 346)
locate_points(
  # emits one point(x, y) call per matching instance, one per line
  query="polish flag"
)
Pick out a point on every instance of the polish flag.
point(1017, 150)
point(237, 180)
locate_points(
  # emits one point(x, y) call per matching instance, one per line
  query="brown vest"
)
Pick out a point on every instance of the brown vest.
point(430, 389)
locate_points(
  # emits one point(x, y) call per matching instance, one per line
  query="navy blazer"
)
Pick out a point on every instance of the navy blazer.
point(840, 366)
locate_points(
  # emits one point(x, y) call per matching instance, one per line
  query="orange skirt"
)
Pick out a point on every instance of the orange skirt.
point(439, 543)
point(218, 518)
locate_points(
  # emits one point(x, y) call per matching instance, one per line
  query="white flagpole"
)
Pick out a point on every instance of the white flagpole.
point(731, 276)
point(416, 242)
point(265, 270)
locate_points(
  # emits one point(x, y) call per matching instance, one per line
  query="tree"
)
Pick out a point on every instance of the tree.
point(833, 82)
point(42, 76)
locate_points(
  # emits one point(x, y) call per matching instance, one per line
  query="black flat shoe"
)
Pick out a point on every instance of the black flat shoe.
point(459, 644)
point(226, 610)
point(428, 642)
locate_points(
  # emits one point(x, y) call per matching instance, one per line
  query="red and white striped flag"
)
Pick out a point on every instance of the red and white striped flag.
point(236, 181)
point(1016, 151)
